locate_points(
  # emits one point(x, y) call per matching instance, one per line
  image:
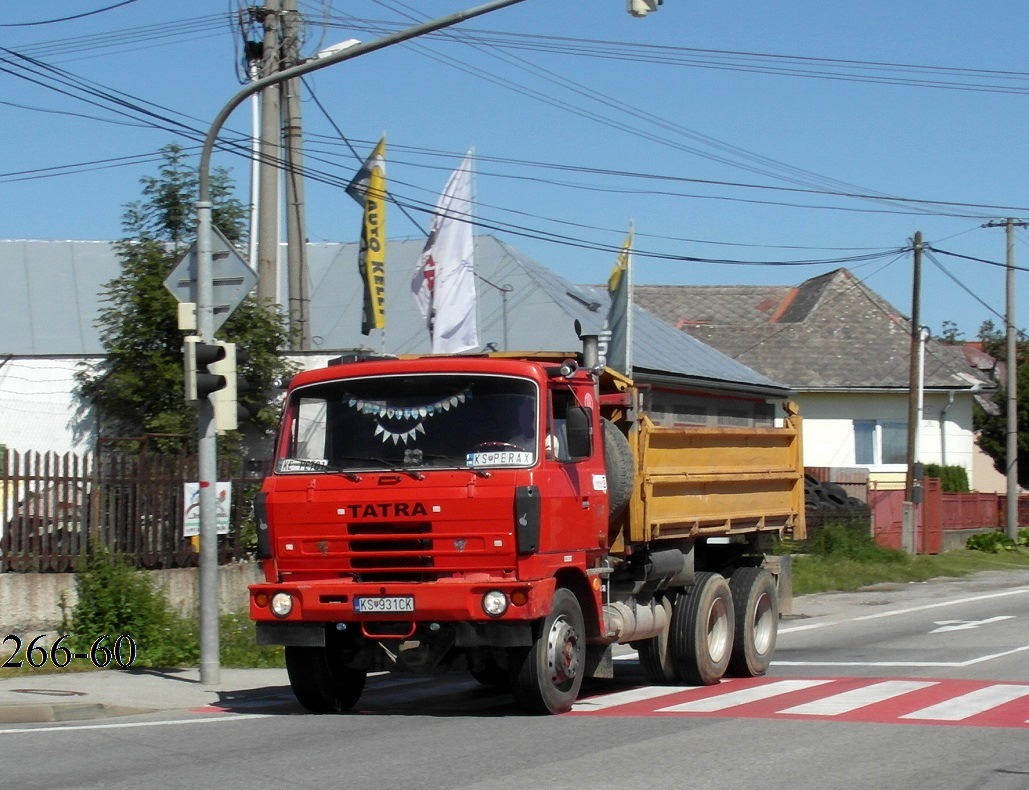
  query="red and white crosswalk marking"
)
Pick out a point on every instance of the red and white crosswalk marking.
point(967, 702)
point(742, 696)
point(971, 704)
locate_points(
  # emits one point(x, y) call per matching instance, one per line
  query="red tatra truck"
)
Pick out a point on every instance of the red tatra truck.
point(515, 517)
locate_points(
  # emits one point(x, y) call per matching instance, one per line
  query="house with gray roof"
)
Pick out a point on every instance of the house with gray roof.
point(521, 306)
point(845, 353)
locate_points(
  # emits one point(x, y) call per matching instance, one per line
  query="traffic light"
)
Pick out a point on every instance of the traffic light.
point(201, 379)
point(227, 411)
point(643, 7)
point(211, 373)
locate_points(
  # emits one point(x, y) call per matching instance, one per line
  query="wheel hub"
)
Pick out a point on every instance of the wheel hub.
point(562, 653)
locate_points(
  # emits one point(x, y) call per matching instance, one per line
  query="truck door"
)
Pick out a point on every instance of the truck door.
point(574, 500)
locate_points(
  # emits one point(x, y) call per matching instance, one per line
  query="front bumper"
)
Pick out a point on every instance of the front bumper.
point(443, 601)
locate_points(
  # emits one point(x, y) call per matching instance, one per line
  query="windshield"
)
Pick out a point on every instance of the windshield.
point(400, 422)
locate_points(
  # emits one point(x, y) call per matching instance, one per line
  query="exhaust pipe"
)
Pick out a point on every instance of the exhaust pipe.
point(627, 622)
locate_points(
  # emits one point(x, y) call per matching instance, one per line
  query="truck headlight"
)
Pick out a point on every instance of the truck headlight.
point(282, 604)
point(494, 603)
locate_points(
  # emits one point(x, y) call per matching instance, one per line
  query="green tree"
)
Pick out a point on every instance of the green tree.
point(138, 386)
point(992, 339)
point(951, 334)
point(990, 423)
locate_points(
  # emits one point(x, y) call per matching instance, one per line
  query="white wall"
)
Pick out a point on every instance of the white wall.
point(38, 408)
point(829, 427)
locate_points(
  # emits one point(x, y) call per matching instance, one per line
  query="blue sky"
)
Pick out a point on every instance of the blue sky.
point(730, 131)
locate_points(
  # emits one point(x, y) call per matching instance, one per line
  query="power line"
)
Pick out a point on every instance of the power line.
point(851, 70)
point(972, 258)
point(736, 157)
point(357, 156)
point(125, 40)
point(928, 254)
point(582, 243)
point(129, 106)
point(848, 194)
point(69, 18)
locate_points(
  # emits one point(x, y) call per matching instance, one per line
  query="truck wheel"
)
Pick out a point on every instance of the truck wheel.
point(756, 604)
point(320, 684)
point(655, 655)
point(702, 631)
point(619, 467)
point(547, 676)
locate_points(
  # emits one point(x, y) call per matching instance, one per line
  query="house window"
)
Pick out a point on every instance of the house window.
point(880, 442)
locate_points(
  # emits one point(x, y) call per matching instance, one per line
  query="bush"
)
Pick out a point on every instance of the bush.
point(115, 598)
point(953, 479)
point(847, 541)
point(996, 542)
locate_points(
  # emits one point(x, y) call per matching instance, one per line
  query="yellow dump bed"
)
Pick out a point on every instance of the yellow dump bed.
point(701, 481)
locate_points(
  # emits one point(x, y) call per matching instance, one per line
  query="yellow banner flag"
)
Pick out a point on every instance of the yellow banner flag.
point(372, 256)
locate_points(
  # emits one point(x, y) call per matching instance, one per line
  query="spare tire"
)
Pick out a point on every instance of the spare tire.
point(619, 466)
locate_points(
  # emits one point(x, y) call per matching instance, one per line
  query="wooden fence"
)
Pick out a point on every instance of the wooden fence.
point(54, 507)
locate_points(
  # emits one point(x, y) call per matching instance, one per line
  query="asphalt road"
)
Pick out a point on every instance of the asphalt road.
point(921, 686)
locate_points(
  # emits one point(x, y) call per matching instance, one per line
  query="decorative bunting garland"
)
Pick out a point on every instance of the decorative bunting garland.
point(380, 411)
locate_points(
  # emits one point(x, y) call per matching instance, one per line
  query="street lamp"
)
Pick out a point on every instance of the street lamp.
point(643, 7)
point(207, 454)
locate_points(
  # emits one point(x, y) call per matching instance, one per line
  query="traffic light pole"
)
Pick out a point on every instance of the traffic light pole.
point(207, 461)
point(207, 449)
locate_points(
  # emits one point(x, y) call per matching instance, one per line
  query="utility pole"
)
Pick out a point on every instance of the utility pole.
point(1011, 456)
point(912, 488)
point(296, 224)
point(268, 189)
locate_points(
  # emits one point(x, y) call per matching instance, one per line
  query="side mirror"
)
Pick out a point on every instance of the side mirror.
point(579, 431)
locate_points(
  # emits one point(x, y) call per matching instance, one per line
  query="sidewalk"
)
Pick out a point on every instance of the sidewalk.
point(75, 696)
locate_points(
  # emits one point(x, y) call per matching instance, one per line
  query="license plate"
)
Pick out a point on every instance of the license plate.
point(400, 603)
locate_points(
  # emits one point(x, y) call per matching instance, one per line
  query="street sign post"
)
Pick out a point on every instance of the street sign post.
point(233, 278)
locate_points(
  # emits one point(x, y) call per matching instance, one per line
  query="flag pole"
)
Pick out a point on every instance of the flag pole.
point(628, 310)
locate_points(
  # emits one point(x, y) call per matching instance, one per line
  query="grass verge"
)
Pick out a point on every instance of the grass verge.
point(842, 558)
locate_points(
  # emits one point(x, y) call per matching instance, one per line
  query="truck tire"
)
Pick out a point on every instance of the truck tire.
point(756, 604)
point(701, 634)
point(656, 656)
point(619, 466)
point(547, 676)
point(320, 684)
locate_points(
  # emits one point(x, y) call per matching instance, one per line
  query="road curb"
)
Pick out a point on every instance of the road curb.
point(43, 712)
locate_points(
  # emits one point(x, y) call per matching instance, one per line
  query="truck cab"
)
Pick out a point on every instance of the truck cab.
point(435, 504)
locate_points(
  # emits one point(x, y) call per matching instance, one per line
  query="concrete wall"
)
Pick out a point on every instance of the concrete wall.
point(32, 601)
